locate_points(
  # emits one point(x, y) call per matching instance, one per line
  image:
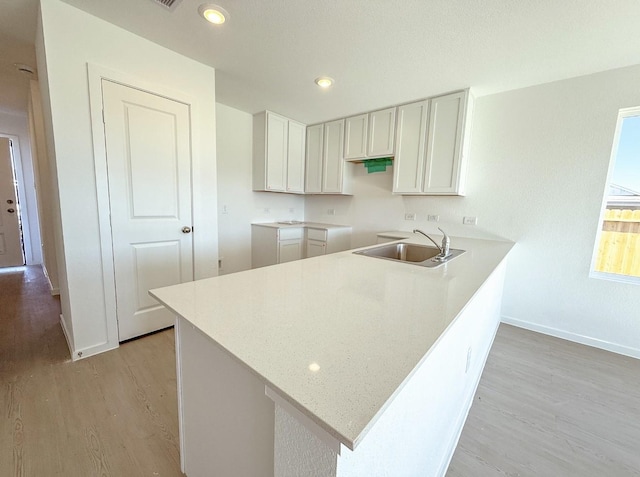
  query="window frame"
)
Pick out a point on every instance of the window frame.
point(616, 277)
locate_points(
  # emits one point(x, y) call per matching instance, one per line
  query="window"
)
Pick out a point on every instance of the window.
point(617, 251)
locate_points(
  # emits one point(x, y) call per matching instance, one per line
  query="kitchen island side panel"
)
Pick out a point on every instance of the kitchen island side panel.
point(226, 421)
point(418, 431)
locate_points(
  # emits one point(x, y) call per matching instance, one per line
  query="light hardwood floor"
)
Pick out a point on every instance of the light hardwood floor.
point(549, 407)
point(114, 414)
point(544, 407)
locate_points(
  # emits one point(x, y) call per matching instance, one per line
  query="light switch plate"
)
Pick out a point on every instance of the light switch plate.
point(410, 216)
point(470, 220)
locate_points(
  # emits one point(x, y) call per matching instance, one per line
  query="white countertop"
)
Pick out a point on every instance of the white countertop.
point(313, 225)
point(365, 322)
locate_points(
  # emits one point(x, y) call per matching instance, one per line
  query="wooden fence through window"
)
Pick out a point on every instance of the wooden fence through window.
point(619, 248)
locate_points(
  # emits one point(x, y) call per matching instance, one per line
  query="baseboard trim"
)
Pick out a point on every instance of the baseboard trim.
point(54, 290)
point(77, 354)
point(67, 336)
point(576, 338)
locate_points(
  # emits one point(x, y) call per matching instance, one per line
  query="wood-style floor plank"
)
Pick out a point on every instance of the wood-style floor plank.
point(114, 414)
point(544, 407)
point(549, 407)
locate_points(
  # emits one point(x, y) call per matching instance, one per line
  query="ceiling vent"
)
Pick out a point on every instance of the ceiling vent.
point(168, 4)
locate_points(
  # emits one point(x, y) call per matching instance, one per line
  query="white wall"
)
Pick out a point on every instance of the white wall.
point(47, 200)
point(538, 164)
point(234, 131)
point(12, 124)
point(71, 39)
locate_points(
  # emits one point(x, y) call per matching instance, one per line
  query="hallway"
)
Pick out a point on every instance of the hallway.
point(113, 414)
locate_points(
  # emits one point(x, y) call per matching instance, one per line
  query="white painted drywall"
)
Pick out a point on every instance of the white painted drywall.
point(234, 131)
point(45, 196)
point(16, 125)
point(72, 39)
point(538, 165)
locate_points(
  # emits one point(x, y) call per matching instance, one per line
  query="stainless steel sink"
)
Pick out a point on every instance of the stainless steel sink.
point(412, 253)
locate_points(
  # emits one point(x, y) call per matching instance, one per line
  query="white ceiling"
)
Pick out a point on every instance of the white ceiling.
point(381, 52)
point(17, 32)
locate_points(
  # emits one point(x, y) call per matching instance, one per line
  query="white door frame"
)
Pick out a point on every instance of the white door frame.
point(25, 233)
point(95, 75)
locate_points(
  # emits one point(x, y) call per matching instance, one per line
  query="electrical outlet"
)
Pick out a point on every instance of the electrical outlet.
point(410, 216)
point(331, 211)
point(433, 218)
point(225, 210)
point(470, 220)
point(266, 210)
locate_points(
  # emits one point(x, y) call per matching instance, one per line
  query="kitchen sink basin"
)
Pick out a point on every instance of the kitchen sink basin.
point(412, 253)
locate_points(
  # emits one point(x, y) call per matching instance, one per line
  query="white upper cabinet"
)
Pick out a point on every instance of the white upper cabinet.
point(296, 157)
point(408, 167)
point(370, 135)
point(382, 130)
point(326, 170)
point(356, 130)
point(332, 158)
point(315, 139)
point(278, 153)
point(432, 161)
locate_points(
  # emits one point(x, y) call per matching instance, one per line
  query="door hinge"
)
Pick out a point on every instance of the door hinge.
point(103, 121)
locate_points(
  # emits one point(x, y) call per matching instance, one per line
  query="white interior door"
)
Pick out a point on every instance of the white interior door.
point(149, 170)
point(10, 237)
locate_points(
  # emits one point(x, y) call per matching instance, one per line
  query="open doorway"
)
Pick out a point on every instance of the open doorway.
point(12, 253)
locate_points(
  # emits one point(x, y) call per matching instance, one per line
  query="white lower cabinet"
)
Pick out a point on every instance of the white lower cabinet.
point(271, 245)
point(289, 250)
point(315, 248)
point(431, 141)
point(321, 241)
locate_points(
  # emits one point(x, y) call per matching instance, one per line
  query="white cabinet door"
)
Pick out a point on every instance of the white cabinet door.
point(295, 157)
point(444, 142)
point(333, 161)
point(382, 125)
point(147, 139)
point(315, 248)
point(313, 181)
point(408, 167)
point(355, 141)
point(277, 148)
point(289, 250)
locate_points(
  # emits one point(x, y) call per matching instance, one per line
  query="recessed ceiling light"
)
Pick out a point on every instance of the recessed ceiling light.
point(213, 13)
point(324, 81)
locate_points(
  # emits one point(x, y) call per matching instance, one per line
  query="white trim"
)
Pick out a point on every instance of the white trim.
point(622, 114)
point(615, 277)
point(177, 332)
point(574, 337)
point(95, 75)
point(65, 332)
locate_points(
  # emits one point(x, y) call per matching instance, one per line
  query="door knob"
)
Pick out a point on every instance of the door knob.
point(186, 230)
point(11, 211)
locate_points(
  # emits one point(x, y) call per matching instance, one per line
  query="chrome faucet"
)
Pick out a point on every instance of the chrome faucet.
point(446, 242)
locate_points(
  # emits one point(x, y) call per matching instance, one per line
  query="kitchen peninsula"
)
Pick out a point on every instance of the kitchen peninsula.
point(339, 365)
